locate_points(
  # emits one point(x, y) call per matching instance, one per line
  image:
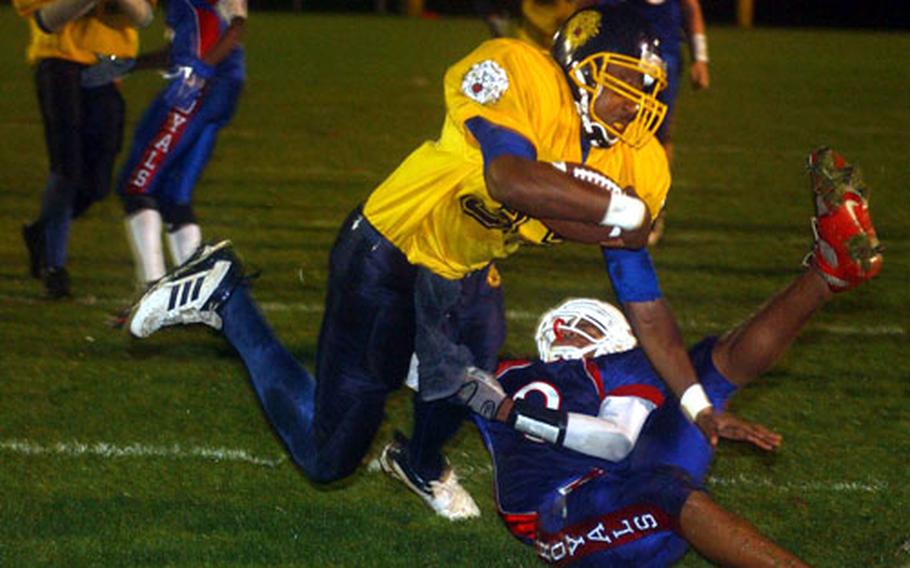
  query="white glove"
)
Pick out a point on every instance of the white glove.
point(481, 392)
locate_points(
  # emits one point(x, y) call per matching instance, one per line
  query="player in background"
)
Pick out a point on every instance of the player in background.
point(83, 126)
point(176, 136)
point(534, 21)
point(411, 270)
point(674, 22)
point(594, 463)
point(541, 18)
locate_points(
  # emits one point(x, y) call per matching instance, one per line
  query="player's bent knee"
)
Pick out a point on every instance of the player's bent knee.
point(668, 487)
point(177, 215)
point(134, 203)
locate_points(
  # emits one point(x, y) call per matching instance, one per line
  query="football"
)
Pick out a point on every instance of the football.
point(587, 174)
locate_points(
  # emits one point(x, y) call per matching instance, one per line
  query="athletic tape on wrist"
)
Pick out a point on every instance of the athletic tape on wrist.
point(693, 401)
point(700, 47)
point(624, 212)
point(544, 423)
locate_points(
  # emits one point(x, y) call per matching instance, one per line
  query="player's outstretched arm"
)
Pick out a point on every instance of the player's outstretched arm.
point(53, 16)
point(610, 438)
point(231, 37)
point(660, 338)
point(539, 190)
point(732, 427)
point(728, 539)
point(139, 12)
point(698, 43)
point(635, 283)
point(157, 59)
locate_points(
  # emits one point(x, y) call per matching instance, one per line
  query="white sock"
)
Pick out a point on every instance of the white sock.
point(143, 231)
point(183, 242)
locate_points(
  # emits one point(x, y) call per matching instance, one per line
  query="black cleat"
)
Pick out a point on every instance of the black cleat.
point(57, 283)
point(33, 235)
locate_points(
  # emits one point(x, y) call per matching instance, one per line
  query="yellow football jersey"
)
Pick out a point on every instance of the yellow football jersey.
point(435, 206)
point(104, 30)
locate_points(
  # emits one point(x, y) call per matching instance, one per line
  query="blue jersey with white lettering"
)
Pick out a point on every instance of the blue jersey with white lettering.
point(197, 26)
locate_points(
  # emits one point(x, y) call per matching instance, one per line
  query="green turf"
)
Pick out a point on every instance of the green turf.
point(331, 106)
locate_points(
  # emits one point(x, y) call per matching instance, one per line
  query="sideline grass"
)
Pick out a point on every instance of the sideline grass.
point(332, 104)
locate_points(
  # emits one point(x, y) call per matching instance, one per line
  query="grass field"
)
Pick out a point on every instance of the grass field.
point(122, 453)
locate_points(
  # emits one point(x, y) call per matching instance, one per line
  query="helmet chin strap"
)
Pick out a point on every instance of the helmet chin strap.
point(596, 134)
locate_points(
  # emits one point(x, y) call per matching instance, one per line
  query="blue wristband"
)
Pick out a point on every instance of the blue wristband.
point(632, 274)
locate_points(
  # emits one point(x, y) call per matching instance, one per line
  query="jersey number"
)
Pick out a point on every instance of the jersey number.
point(503, 218)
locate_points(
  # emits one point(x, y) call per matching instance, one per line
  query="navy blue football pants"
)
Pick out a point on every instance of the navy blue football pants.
point(83, 130)
point(365, 346)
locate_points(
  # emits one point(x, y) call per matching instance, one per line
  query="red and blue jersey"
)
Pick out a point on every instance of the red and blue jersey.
point(578, 509)
point(527, 470)
point(197, 26)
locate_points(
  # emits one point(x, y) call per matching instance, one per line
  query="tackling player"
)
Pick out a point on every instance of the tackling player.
point(485, 188)
point(411, 270)
point(594, 463)
point(83, 126)
point(175, 138)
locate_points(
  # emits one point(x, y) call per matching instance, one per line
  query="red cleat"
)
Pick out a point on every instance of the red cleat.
point(846, 250)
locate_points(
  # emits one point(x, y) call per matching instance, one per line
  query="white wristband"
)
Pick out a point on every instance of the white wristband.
point(624, 212)
point(693, 401)
point(700, 47)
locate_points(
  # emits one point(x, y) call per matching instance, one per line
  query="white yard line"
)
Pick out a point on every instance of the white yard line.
point(107, 450)
point(866, 486)
point(136, 450)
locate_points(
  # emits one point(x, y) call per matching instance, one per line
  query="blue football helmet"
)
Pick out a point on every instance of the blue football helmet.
point(592, 45)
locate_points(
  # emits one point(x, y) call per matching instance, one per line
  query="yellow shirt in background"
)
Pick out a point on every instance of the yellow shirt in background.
point(540, 20)
point(103, 30)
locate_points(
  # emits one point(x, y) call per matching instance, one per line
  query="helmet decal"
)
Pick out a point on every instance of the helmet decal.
point(556, 323)
point(581, 28)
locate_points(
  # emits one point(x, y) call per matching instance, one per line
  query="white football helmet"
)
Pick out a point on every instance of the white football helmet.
point(615, 333)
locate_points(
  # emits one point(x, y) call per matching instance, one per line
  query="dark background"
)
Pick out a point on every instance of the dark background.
point(882, 14)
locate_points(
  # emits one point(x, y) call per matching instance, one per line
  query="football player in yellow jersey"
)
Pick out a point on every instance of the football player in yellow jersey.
point(411, 271)
point(484, 188)
point(83, 126)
